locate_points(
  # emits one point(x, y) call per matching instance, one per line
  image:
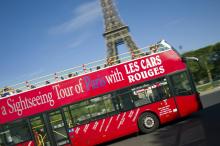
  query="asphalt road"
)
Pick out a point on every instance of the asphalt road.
point(210, 98)
point(199, 129)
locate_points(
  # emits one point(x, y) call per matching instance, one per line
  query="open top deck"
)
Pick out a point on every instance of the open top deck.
point(80, 70)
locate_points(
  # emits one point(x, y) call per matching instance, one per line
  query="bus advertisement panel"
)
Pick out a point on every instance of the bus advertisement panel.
point(89, 85)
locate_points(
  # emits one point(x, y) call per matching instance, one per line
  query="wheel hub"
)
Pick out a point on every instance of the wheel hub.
point(149, 122)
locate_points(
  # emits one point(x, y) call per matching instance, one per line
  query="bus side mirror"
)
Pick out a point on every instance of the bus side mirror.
point(190, 58)
point(193, 63)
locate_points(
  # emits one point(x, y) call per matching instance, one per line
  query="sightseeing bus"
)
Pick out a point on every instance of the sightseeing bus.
point(94, 104)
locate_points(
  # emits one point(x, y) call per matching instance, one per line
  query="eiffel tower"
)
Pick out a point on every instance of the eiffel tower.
point(116, 33)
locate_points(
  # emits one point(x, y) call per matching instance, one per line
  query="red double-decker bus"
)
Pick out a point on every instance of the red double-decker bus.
point(93, 105)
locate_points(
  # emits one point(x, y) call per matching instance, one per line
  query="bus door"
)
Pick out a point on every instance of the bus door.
point(159, 92)
point(185, 93)
point(49, 129)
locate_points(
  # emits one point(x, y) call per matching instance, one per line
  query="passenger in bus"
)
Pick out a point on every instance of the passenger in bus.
point(38, 134)
point(70, 75)
point(32, 86)
point(7, 91)
point(98, 67)
point(47, 82)
point(154, 49)
point(5, 94)
point(18, 90)
point(56, 77)
point(110, 61)
point(147, 53)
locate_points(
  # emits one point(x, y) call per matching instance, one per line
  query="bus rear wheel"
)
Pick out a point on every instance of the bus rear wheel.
point(148, 122)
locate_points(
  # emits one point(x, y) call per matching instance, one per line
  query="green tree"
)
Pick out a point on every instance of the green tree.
point(209, 58)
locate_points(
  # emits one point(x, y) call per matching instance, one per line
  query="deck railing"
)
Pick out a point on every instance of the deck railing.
point(78, 70)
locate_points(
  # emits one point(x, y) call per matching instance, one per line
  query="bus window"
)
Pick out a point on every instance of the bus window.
point(160, 89)
point(153, 91)
point(1, 137)
point(16, 132)
point(125, 100)
point(109, 103)
point(141, 95)
point(80, 112)
point(58, 130)
point(68, 117)
point(96, 107)
point(1, 140)
point(181, 84)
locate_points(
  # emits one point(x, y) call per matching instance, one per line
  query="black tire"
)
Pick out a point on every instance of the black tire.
point(148, 122)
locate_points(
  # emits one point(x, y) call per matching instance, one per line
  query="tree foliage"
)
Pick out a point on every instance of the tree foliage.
point(209, 58)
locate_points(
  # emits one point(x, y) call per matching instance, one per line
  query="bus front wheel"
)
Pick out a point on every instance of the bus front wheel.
point(148, 122)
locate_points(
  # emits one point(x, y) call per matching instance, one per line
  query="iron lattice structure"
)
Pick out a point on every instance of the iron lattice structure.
point(116, 33)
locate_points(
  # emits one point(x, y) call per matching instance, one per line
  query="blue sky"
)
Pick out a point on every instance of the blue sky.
point(39, 37)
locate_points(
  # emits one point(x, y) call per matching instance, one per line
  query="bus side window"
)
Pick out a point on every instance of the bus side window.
point(181, 84)
point(80, 112)
point(97, 108)
point(150, 92)
point(141, 95)
point(109, 103)
point(16, 132)
point(1, 137)
point(92, 109)
point(160, 89)
point(124, 96)
point(1, 140)
point(68, 117)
